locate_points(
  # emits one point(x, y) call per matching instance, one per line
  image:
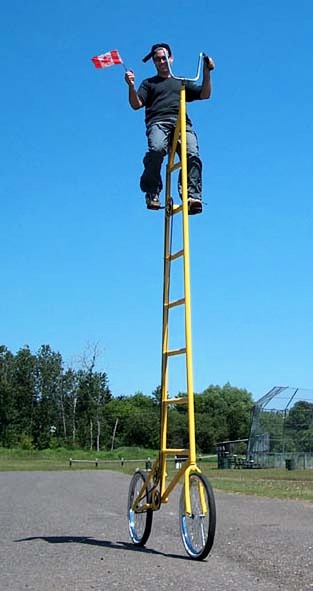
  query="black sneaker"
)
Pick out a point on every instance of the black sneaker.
point(153, 201)
point(194, 206)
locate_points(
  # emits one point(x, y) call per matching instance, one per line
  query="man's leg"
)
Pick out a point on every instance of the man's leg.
point(194, 166)
point(194, 172)
point(158, 138)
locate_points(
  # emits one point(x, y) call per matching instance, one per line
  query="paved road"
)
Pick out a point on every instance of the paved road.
point(67, 531)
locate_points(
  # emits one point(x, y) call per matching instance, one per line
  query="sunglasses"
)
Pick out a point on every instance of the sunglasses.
point(159, 59)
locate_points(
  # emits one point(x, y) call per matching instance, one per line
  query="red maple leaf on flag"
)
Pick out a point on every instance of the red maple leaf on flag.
point(110, 58)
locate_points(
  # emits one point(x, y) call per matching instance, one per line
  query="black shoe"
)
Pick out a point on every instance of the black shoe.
point(194, 206)
point(153, 201)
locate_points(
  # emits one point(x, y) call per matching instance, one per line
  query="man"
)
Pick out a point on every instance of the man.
point(160, 95)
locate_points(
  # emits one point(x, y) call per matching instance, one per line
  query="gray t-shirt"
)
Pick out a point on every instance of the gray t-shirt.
point(161, 96)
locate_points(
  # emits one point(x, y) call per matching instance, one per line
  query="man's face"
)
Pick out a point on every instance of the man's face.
point(160, 62)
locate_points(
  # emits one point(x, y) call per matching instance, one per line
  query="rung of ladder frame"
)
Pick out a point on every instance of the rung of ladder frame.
point(176, 255)
point(176, 451)
point(176, 352)
point(175, 166)
point(177, 208)
point(175, 303)
point(178, 400)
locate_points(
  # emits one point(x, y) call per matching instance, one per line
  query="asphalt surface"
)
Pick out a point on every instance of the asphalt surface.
point(67, 531)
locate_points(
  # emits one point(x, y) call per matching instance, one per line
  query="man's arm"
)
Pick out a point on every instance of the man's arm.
point(206, 89)
point(133, 97)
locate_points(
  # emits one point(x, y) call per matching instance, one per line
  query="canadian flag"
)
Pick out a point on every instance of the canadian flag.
point(111, 58)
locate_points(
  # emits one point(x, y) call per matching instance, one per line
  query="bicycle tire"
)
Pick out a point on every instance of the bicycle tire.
point(139, 522)
point(198, 529)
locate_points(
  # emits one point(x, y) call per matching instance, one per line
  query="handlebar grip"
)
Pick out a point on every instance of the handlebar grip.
point(207, 62)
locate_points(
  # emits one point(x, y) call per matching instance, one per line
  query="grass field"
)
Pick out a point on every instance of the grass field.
point(275, 483)
point(278, 483)
point(59, 459)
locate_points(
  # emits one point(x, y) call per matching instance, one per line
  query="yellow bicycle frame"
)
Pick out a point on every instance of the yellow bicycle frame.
point(156, 480)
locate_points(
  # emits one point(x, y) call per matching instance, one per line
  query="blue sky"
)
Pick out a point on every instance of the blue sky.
point(81, 257)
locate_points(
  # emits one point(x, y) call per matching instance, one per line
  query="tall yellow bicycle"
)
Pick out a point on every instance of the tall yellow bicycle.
point(148, 490)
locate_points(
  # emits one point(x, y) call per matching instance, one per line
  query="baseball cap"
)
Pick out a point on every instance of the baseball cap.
point(154, 48)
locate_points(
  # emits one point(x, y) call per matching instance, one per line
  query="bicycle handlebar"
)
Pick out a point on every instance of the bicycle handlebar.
point(202, 57)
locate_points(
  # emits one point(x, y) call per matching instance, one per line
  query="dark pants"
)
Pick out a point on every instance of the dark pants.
point(159, 136)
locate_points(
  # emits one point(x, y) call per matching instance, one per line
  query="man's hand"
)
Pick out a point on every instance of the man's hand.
point(208, 62)
point(208, 65)
point(130, 78)
point(133, 97)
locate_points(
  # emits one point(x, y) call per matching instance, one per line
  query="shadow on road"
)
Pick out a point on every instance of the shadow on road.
point(101, 544)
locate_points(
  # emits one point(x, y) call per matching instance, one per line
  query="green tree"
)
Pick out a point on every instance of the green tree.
point(178, 435)
point(7, 409)
point(223, 413)
point(305, 441)
point(157, 395)
point(300, 416)
point(49, 384)
point(298, 426)
point(24, 394)
point(116, 414)
point(272, 423)
point(93, 395)
point(142, 425)
point(68, 404)
point(207, 433)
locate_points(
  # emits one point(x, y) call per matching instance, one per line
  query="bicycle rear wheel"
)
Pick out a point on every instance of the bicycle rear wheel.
point(139, 519)
point(198, 527)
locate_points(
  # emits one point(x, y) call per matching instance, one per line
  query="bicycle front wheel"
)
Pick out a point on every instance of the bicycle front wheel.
point(140, 518)
point(198, 527)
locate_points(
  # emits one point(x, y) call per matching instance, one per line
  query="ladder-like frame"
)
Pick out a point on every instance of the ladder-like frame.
point(171, 210)
point(159, 489)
